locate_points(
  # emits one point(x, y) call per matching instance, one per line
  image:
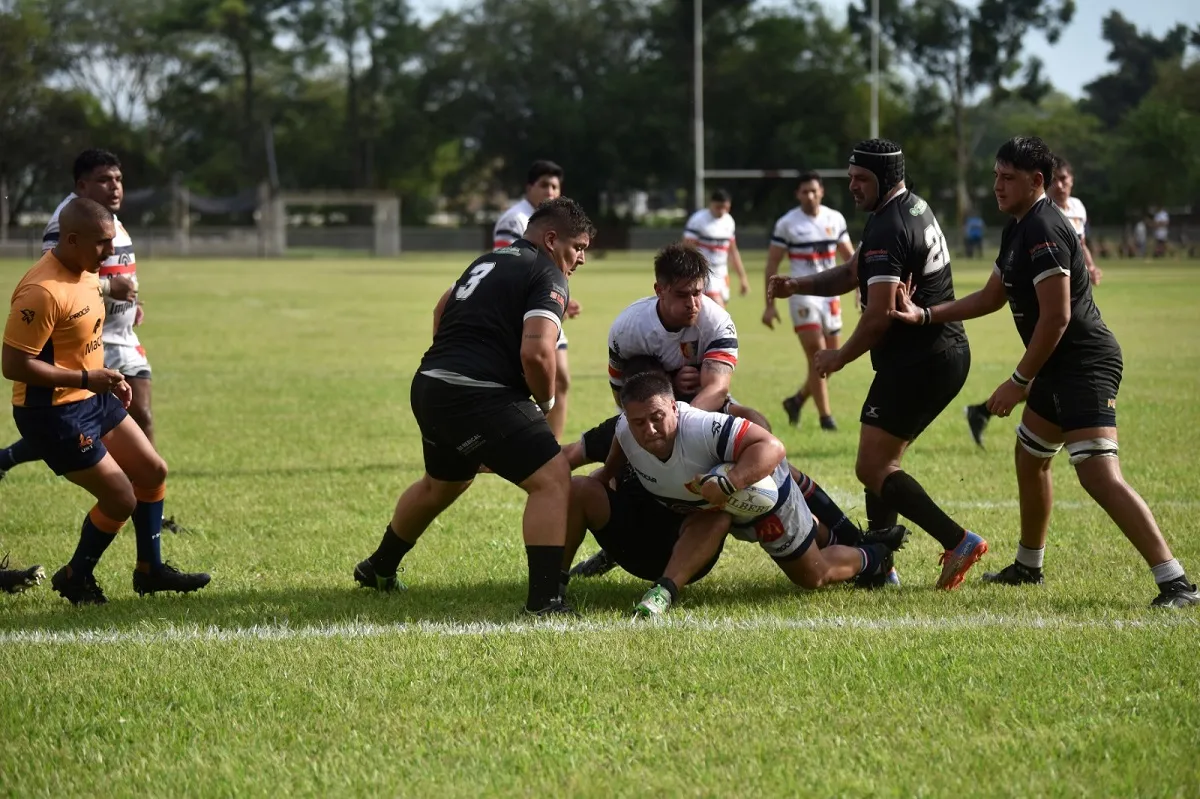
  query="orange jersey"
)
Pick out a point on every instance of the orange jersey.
point(57, 316)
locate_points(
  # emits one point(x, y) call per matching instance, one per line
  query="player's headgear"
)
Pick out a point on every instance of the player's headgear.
point(885, 160)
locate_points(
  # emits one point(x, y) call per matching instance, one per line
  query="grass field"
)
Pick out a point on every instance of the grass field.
point(281, 392)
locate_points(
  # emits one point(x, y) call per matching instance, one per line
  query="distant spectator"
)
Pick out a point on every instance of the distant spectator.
point(973, 235)
point(1162, 225)
point(1139, 237)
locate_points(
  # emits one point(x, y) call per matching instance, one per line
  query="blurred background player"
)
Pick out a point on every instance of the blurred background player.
point(544, 182)
point(812, 236)
point(493, 348)
point(712, 230)
point(918, 371)
point(71, 410)
point(1059, 191)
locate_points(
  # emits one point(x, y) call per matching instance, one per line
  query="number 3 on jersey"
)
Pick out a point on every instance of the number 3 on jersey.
point(939, 254)
point(474, 277)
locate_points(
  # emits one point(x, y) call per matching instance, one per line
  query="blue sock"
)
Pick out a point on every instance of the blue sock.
point(92, 543)
point(19, 452)
point(147, 528)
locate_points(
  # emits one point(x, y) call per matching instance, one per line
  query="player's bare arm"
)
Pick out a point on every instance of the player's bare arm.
point(1054, 314)
point(735, 258)
point(774, 257)
point(715, 378)
point(987, 300)
point(22, 367)
point(846, 250)
point(539, 342)
point(1095, 273)
point(833, 282)
point(881, 298)
point(613, 464)
point(760, 454)
point(440, 309)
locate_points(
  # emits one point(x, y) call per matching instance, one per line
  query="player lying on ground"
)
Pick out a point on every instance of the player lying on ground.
point(811, 236)
point(671, 449)
point(1068, 377)
point(493, 347)
point(71, 410)
point(834, 526)
point(1074, 210)
point(918, 372)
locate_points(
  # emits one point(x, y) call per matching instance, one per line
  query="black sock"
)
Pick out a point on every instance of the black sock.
point(872, 559)
point(564, 577)
point(16, 453)
point(92, 543)
point(392, 550)
point(669, 584)
point(906, 495)
point(880, 515)
point(841, 529)
point(801, 396)
point(545, 566)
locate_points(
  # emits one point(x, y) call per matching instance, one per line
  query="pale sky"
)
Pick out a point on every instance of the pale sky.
point(1077, 59)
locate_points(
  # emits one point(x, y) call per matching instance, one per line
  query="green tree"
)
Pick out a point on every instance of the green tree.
point(1135, 57)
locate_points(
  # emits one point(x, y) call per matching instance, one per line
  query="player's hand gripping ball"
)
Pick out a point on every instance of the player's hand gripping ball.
point(750, 502)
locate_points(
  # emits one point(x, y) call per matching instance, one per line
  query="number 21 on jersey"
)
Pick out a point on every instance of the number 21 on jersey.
point(939, 254)
point(474, 277)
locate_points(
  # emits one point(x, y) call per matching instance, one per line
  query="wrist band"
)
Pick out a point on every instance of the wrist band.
point(1020, 379)
point(928, 316)
point(547, 405)
point(83, 382)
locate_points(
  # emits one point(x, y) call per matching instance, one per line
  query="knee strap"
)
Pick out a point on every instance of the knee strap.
point(1035, 445)
point(1080, 451)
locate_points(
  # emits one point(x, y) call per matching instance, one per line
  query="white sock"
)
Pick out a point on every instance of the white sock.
point(1165, 572)
point(1030, 558)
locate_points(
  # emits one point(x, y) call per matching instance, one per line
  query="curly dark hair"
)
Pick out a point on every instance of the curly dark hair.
point(88, 160)
point(680, 262)
point(539, 169)
point(563, 215)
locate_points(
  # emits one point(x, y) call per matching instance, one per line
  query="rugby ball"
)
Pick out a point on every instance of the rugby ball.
point(752, 501)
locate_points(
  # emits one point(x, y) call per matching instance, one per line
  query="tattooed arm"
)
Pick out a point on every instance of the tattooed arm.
point(715, 377)
point(539, 341)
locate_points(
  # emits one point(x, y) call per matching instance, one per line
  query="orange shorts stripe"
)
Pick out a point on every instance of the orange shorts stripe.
point(103, 523)
point(150, 494)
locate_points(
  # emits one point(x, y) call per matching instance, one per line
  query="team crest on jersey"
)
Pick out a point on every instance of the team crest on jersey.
point(829, 232)
point(27, 316)
point(769, 529)
point(96, 327)
point(688, 348)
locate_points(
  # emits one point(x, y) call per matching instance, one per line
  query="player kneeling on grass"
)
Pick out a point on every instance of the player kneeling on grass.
point(71, 411)
point(672, 448)
point(1068, 376)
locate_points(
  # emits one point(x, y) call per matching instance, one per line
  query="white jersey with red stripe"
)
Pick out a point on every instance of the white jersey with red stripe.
point(118, 315)
point(512, 223)
point(704, 440)
point(638, 330)
point(713, 235)
point(811, 241)
point(1076, 214)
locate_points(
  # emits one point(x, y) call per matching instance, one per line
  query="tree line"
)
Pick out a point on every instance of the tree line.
point(223, 94)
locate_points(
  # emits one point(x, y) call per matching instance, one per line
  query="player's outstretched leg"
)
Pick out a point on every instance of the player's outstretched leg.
point(1094, 455)
point(878, 467)
point(14, 581)
point(115, 502)
point(14, 454)
point(147, 474)
point(811, 567)
point(416, 509)
point(700, 538)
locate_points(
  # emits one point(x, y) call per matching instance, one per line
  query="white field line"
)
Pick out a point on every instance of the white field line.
point(681, 623)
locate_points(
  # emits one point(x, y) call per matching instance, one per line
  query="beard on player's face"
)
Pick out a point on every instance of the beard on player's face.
point(864, 188)
point(679, 303)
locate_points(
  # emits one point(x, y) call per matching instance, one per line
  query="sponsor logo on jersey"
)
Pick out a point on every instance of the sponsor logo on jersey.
point(87, 309)
point(644, 476)
point(918, 208)
point(507, 251)
point(27, 316)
